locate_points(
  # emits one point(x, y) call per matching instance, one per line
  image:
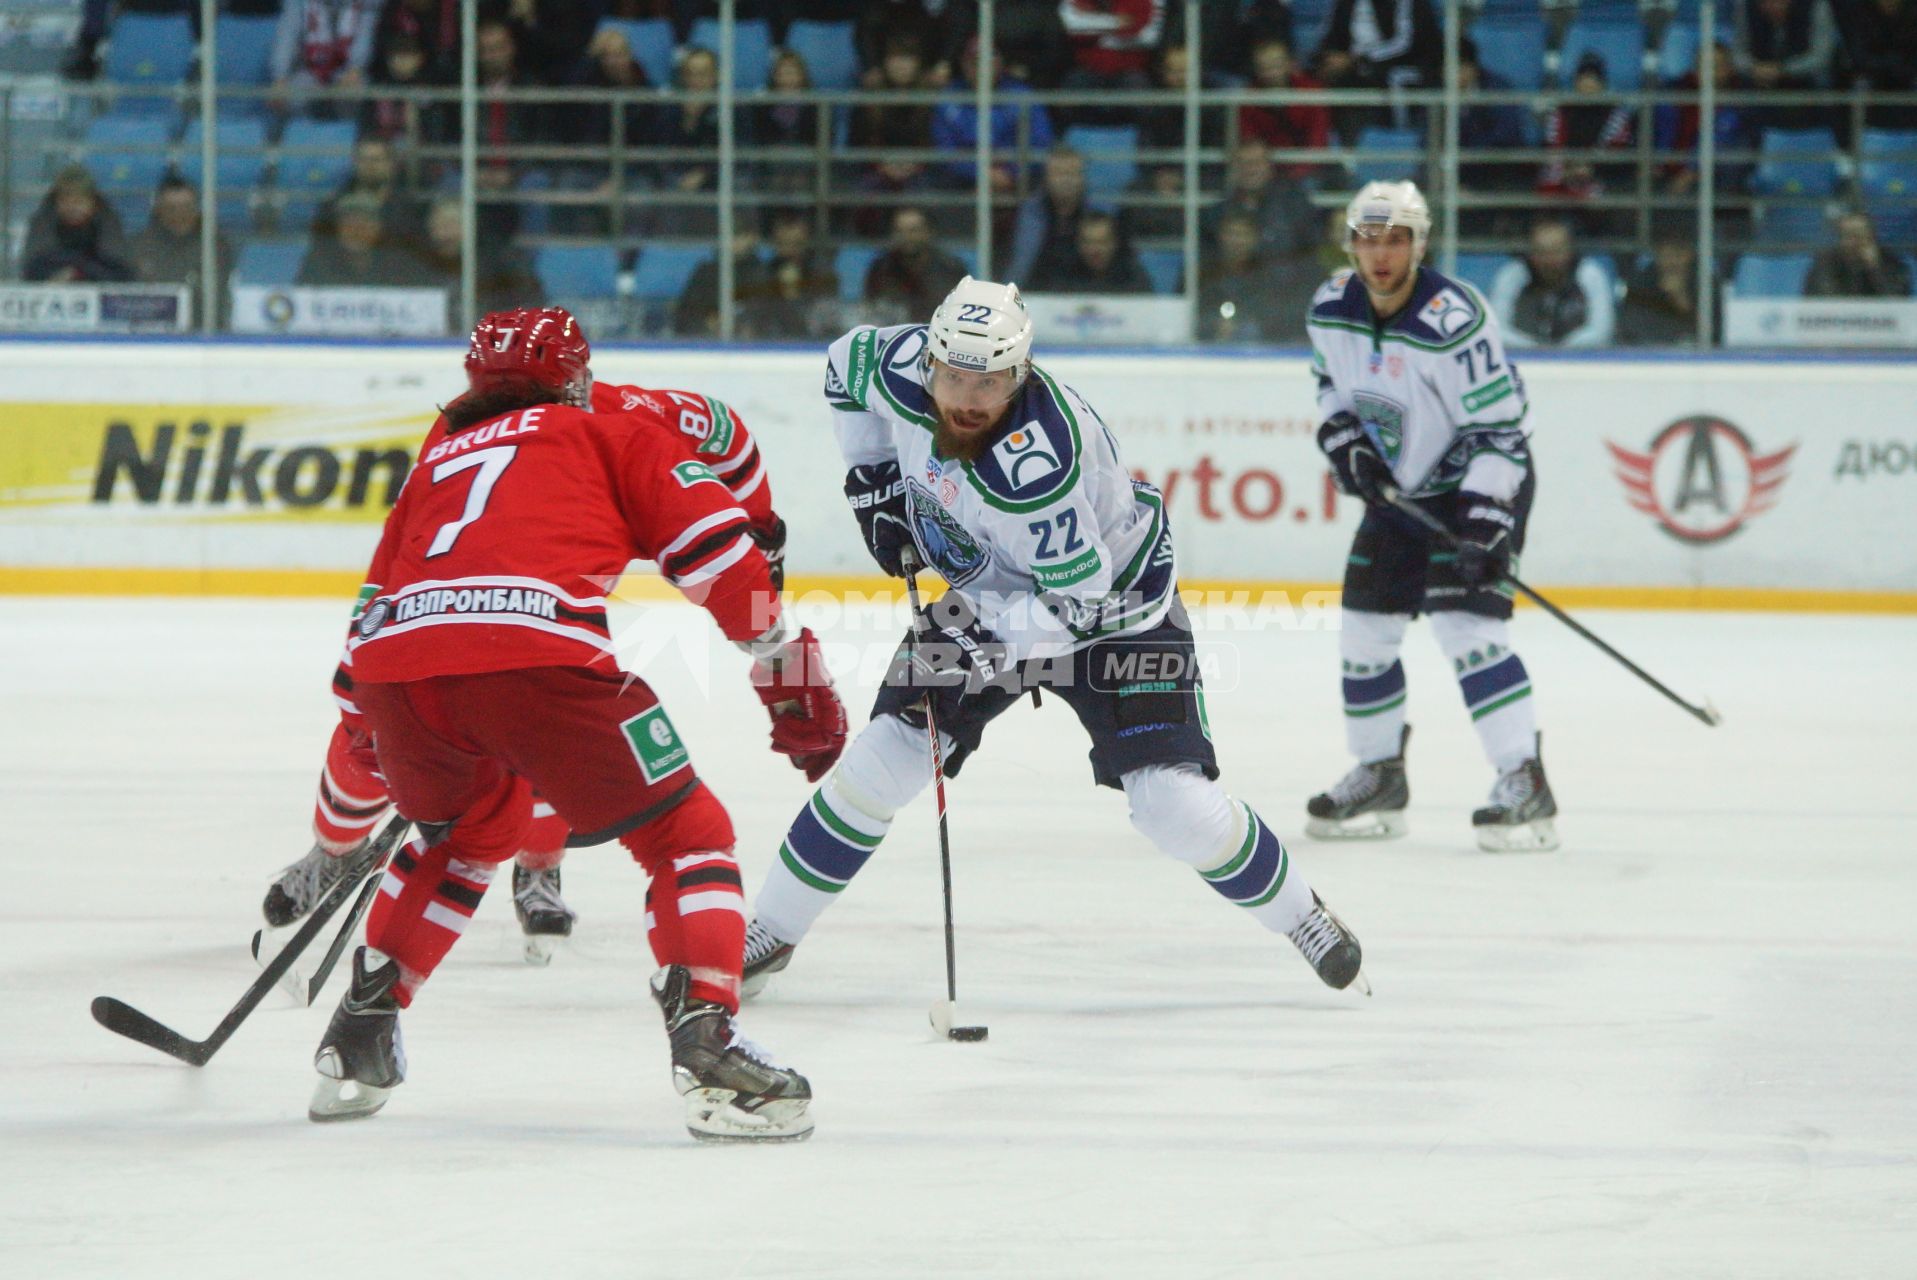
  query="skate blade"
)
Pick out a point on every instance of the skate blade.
point(540, 948)
point(711, 1117)
point(1386, 824)
point(335, 1100)
point(1540, 836)
point(1360, 983)
point(754, 986)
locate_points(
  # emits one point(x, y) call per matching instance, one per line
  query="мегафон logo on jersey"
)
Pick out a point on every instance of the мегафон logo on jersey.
point(1701, 479)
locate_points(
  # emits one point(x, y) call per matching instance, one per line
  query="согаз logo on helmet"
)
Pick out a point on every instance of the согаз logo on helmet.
point(1701, 479)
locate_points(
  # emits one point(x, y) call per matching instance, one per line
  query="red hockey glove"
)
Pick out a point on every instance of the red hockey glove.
point(808, 720)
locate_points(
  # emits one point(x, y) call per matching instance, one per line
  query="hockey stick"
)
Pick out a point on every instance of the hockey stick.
point(944, 1014)
point(123, 1019)
point(303, 989)
point(1707, 713)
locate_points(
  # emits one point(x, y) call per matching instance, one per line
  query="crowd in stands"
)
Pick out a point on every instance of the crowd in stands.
point(622, 176)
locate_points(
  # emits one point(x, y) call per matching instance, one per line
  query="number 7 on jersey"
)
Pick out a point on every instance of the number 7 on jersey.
point(492, 464)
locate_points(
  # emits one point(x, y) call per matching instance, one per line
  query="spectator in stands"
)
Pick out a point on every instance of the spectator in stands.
point(401, 63)
point(1048, 220)
point(1857, 267)
point(1230, 30)
point(696, 313)
point(1378, 44)
point(1881, 39)
point(1161, 179)
point(1677, 126)
point(913, 276)
point(1585, 124)
point(1029, 34)
point(1248, 294)
point(1280, 206)
point(886, 26)
point(1287, 126)
point(788, 124)
point(503, 278)
point(552, 35)
point(356, 253)
point(955, 125)
point(1098, 262)
point(324, 44)
point(168, 250)
point(1112, 44)
point(1784, 44)
point(610, 65)
point(893, 125)
point(800, 295)
point(694, 126)
point(1552, 297)
point(503, 124)
point(433, 24)
point(376, 176)
point(1660, 298)
point(1487, 127)
point(74, 236)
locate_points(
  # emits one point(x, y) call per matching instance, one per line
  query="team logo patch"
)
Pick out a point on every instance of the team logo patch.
point(955, 553)
point(965, 360)
point(1702, 479)
point(948, 492)
point(1447, 312)
point(691, 473)
point(1024, 458)
point(373, 617)
point(655, 744)
point(1384, 422)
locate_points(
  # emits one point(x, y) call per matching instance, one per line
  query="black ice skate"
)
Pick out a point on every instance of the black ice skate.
point(544, 917)
point(1331, 947)
point(1518, 817)
point(300, 886)
point(733, 1092)
point(765, 955)
point(1367, 804)
point(361, 1058)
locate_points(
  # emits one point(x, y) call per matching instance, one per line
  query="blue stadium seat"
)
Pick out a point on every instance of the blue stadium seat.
point(1111, 155)
point(1166, 267)
point(663, 269)
point(1512, 49)
point(578, 271)
point(1889, 162)
point(1620, 44)
point(751, 49)
point(240, 164)
point(651, 40)
point(1479, 268)
point(1762, 275)
point(1797, 162)
point(1677, 56)
point(1387, 168)
point(1309, 18)
point(128, 154)
point(852, 262)
point(148, 49)
point(1895, 218)
point(269, 262)
point(829, 52)
point(314, 160)
point(244, 47)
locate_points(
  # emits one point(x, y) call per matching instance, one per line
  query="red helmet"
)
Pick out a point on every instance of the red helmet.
point(541, 345)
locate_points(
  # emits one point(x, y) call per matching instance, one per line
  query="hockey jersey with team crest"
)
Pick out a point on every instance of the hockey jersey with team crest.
point(1046, 534)
point(1433, 386)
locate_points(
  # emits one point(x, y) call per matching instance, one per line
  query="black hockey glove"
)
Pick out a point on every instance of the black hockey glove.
point(771, 543)
point(1484, 540)
point(877, 494)
point(1356, 463)
point(949, 654)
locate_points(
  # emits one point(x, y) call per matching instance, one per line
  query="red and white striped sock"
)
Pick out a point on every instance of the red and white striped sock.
point(695, 916)
point(425, 900)
point(352, 796)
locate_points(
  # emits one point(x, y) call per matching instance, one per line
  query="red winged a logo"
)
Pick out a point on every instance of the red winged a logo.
point(1701, 479)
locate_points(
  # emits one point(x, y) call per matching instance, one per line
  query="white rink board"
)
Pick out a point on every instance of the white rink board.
point(1801, 474)
point(1680, 1048)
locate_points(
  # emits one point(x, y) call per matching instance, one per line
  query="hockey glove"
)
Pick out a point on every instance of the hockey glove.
point(770, 539)
point(948, 654)
point(877, 494)
point(808, 720)
point(1359, 468)
point(1484, 540)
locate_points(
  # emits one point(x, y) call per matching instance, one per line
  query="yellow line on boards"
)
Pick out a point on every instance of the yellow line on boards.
point(641, 587)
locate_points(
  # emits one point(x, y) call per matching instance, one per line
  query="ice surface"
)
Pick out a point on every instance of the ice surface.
point(1681, 1047)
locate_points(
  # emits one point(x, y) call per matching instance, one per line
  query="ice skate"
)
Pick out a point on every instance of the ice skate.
point(298, 888)
point(1518, 817)
point(361, 1058)
point(1367, 804)
point(733, 1091)
point(544, 917)
point(765, 955)
point(1331, 947)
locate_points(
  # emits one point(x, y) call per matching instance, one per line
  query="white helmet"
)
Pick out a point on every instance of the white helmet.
point(981, 327)
point(1389, 204)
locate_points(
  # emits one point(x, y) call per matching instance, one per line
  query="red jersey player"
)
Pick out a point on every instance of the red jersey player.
point(482, 664)
point(352, 798)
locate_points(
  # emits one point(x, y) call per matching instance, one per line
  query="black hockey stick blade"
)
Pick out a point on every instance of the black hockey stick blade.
point(123, 1019)
point(1706, 713)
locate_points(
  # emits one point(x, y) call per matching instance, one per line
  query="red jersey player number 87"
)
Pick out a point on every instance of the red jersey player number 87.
point(483, 666)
